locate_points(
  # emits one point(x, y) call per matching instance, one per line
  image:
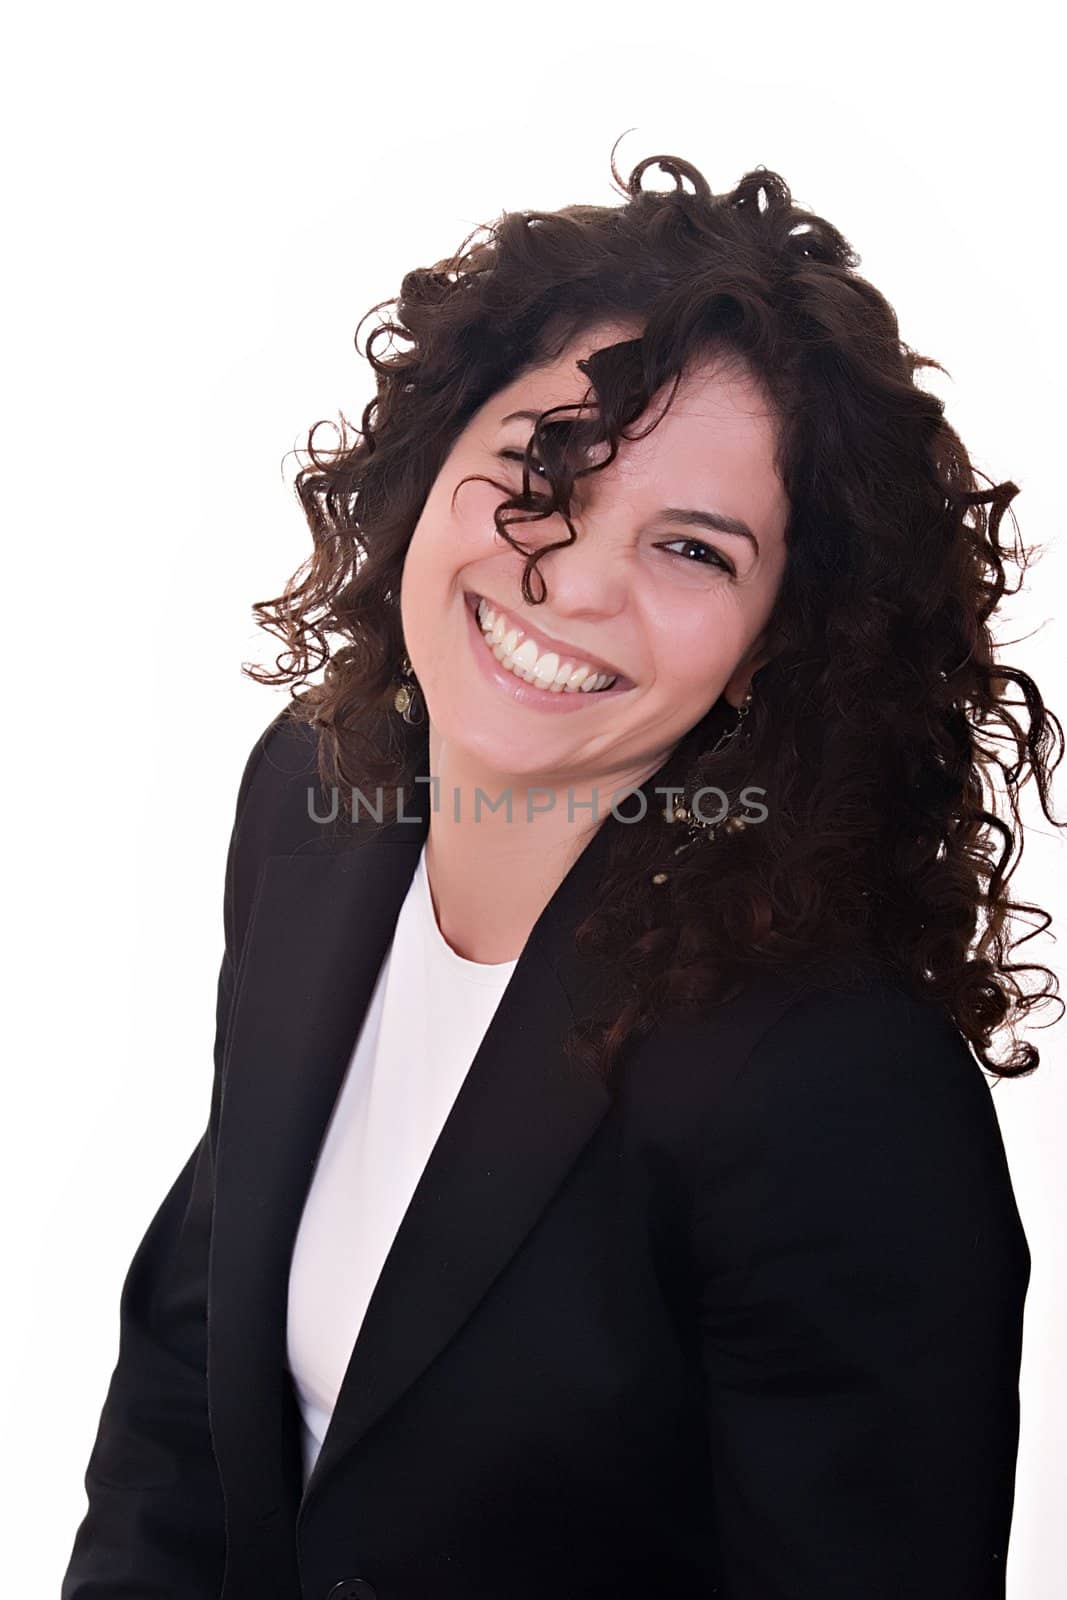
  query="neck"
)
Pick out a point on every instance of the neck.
point(491, 877)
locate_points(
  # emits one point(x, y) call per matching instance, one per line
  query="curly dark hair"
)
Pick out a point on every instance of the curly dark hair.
point(876, 722)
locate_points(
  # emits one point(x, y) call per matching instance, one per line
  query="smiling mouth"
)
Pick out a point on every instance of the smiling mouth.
point(554, 669)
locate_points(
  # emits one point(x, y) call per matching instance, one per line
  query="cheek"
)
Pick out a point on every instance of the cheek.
point(687, 676)
point(451, 532)
point(471, 520)
point(697, 642)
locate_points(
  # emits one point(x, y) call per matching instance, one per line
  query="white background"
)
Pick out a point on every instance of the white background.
point(201, 204)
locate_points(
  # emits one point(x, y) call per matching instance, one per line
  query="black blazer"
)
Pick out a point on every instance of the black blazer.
point(748, 1327)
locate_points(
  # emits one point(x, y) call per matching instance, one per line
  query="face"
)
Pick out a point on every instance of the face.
point(675, 609)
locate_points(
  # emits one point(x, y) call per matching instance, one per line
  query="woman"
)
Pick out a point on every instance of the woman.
point(601, 1191)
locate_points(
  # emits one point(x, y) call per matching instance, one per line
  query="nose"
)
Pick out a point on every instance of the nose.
point(589, 577)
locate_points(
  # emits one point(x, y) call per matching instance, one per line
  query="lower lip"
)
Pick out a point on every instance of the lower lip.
point(528, 694)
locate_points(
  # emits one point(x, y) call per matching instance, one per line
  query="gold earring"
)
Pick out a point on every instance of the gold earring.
point(683, 811)
point(406, 700)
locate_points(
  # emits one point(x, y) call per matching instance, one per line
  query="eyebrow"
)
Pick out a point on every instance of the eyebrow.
point(717, 521)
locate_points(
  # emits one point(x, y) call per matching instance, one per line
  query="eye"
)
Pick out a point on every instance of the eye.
point(517, 455)
point(718, 559)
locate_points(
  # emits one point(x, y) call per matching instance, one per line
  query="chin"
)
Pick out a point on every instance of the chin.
point(517, 754)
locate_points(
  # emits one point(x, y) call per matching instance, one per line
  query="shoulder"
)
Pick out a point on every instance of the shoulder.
point(859, 1113)
point(863, 1035)
point(817, 1077)
point(865, 1053)
point(273, 814)
point(825, 1033)
point(270, 814)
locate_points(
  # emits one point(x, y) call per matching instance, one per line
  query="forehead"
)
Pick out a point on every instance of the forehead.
point(718, 414)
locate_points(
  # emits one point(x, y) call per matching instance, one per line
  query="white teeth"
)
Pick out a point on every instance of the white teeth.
point(523, 658)
point(546, 671)
point(546, 668)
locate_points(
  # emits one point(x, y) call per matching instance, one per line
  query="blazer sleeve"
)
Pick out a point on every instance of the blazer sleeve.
point(155, 1520)
point(862, 1270)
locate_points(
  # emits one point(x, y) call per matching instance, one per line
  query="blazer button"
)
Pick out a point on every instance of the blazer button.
point(352, 1589)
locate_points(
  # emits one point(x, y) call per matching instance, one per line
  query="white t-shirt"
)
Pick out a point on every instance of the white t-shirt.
point(427, 1016)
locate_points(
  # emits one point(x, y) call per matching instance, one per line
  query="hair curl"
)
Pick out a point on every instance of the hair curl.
point(876, 724)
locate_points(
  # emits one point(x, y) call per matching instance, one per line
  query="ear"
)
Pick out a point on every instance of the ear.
point(741, 680)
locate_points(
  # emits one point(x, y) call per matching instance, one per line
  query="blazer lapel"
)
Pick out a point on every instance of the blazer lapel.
point(318, 932)
point(320, 928)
